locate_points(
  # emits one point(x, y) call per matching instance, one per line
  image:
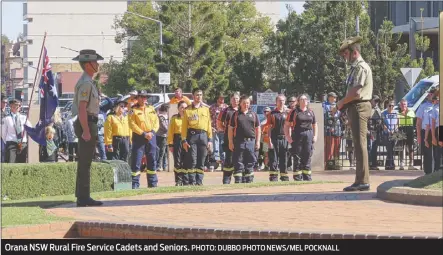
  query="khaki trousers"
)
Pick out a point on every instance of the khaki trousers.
point(359, 114)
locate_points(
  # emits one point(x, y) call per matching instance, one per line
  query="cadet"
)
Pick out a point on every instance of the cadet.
point(3, 114)
point(244, 140)
point(223, 124)
point(278, 157)
point(303, 136)
point(13, 134)
point(175, 144)
point(358, 103)
point(118, 135)
point(144, 123)
point(196, 138)
point(86, 105)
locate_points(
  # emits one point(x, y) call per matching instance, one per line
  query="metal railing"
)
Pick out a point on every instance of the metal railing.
point(391, 143)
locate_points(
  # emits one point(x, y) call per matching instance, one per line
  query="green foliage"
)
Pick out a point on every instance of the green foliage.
point(200, 43)
point(5, 39)
point(422, 42)
point(427, 66)
point(390, 57)
point(21, 181)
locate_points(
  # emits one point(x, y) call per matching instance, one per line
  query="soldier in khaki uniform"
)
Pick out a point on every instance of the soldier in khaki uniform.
point(86, 105)
point(357, 102)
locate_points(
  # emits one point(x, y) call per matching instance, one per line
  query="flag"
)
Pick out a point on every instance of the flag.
point(48, 103)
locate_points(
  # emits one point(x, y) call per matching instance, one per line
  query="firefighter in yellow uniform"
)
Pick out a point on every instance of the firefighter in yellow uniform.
point(118, 134)
point(196, 138)
point(144, 123)
point(175, 143)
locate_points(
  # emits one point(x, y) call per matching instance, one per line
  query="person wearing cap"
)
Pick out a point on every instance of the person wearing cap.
point(3, 114)
point(223, 124)
point(217, 134)
point(357, 101)
point(179, 97)
point(422, 111)
point(375, 127)
point(132, 98)
point(196, 138)
point(144, 123)
point(244, 140)
point(332, 129)
point(86, 105)
point(278, 158)
point(118, 134)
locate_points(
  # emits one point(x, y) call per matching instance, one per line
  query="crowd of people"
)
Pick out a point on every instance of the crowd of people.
point(389, 127)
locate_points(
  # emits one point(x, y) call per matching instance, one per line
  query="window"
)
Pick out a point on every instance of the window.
point(417, 5)
point(417, 92)
point(437, 8)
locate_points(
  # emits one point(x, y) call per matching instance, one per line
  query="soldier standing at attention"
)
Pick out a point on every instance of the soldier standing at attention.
point(175, 144)
point(144, 123)
point(278, 157)
point(196, 138)
point(244, 139)
point(86, 105)
point(358, 103)
point(223, 120)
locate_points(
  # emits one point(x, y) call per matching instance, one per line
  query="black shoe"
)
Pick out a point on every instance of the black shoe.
point(374, 168)
point(357, 187)
point(88, 202)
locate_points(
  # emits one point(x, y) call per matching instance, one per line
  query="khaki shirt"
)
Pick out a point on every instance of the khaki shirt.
point(361, 74)
point(85, 90)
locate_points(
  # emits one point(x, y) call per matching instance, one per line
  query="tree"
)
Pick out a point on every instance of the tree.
point(5, 39)
point(305, 47)
point(391, 57)
point(247, 74)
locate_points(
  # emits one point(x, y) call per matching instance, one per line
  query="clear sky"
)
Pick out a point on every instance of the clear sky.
point(12, 16)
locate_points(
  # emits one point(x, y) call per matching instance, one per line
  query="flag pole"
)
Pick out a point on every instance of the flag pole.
point(35, 79)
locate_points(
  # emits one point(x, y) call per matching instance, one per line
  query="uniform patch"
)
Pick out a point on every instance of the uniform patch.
point(139, 113)
point(84, 93)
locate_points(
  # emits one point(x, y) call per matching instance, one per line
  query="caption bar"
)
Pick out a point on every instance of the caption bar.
point(75, 247)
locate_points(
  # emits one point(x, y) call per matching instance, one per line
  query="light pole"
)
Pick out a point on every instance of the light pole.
point(161, 29)
point(161, 41)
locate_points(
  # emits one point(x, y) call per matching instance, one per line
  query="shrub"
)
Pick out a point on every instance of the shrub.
point(21, 181)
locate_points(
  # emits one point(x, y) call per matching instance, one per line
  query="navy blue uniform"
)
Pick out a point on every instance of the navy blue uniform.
point(244, 156)
point(227, 167)
point(278, 157)
point(302, 142)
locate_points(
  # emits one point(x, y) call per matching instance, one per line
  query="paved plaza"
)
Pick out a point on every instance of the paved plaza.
point(321, 208)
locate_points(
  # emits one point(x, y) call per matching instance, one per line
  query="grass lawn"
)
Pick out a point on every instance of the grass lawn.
point(31, 211)
point(430, 181)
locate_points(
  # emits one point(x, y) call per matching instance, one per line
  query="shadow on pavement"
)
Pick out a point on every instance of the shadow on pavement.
point(291, 197)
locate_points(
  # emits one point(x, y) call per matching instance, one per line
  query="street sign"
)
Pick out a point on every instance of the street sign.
point(411, 75)
point(164, 78)
point(266, 98)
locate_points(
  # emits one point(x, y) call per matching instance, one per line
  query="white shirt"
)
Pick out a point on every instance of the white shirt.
point(9, 128)
point(424, 109)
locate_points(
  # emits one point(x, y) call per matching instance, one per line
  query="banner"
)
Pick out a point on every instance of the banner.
point(243, 246)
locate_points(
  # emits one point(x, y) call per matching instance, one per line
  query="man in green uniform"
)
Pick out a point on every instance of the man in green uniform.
point(357, 102)
point(86, 105)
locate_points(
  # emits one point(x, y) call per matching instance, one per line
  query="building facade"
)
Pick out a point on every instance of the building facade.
point(410, 17)
point(69, 25)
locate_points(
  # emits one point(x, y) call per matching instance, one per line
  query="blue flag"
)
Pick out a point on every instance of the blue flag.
point(48, 103)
